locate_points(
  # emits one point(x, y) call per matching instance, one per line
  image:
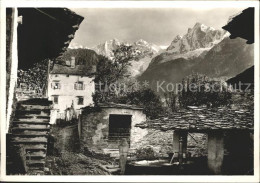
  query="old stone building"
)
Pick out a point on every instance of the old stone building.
point(33, 35)
point(70, 87)
point(229, 135)
point(101, 128)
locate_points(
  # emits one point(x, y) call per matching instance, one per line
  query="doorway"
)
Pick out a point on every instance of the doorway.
point(119, 127)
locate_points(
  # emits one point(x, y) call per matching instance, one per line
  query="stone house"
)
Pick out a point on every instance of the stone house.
point(70, 87)
point(229, 135)
point(32, 35)
point(102, 127)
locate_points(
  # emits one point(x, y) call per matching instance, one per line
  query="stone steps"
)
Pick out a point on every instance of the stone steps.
point(32, 107)
point(36, 153)
point(34, 147)
point(33, 118)
point(37, 101)
point(33, 112)
point(31, 125)
point(27, 138)
point(35, 157)
point(30, 130)
point(36, 163)
point(30, 122)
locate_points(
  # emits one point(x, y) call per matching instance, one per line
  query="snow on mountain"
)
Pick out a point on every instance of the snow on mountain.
point(200, 36)
point(224, 60)
point(107, 48)
point(187, 55)
point(146, 51)
point(77, 46)
point(163, 47)
point(140, 46)
point(196, 41)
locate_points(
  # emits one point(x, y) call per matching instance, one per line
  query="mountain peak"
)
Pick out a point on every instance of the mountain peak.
point(200, 26)
point(141, 41)
point(177, 38)
point(115, 40)
point(200, 36)
point(141, 45)
point(197, 24)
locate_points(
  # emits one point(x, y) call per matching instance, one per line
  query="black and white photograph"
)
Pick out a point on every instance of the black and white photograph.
point(131, 91)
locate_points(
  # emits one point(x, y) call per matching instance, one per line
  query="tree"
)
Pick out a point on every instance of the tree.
point(111, 71)
point(124, 90)
point(202, 90)
point(146, 98)
point(171, 100)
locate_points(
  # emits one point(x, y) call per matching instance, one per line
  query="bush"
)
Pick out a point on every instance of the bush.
point(146, 98)
point(205, 91)
point(145, 153)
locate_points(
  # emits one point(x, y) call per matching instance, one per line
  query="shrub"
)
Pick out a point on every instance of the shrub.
point(205, 91)
point(146, 98)
point(145, 153)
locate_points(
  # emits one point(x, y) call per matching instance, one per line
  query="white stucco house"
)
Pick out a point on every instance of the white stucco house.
point(70, 86)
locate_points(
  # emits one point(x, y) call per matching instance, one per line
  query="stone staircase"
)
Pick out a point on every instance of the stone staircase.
point(29, 133)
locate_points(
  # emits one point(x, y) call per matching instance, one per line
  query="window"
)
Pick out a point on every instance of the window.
point(55, 85)
point(55, 99)
point(80, 100)
point(79, 85)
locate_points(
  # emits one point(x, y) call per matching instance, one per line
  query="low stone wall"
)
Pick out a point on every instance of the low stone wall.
point(162, 143)
point(197, 144)
point(66, 138)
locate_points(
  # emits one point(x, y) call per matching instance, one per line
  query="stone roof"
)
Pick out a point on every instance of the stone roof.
point(242, 25)
point(246, 77)
point(202, 119)
point(81, 70)
point(45, 33)
point(121, 106)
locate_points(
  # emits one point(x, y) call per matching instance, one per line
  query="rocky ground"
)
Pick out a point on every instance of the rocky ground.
point(72, 161)
point(69, 163)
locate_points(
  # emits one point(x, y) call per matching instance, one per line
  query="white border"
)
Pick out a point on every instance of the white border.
point(133, 4)
point(130, 4)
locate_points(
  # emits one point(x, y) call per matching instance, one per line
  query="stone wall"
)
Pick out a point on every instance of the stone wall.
point(66, 138)
point(197, 144)
point(162, 143)
point(94, 128)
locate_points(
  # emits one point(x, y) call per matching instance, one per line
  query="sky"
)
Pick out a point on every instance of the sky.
point(155, 25)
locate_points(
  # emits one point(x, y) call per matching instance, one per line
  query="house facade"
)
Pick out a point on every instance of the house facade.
point(70, 87)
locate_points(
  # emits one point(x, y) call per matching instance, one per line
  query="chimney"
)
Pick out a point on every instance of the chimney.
point(72, 62)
